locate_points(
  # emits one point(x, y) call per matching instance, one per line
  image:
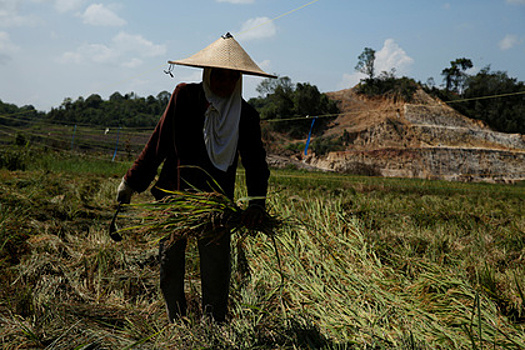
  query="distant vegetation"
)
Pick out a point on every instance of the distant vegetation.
point(127, 110)
point(282, 102)
point(387, 85)
point(12, 115)
point(462, 91)
point(120, 110)
point(279, 101)
point(504, 113)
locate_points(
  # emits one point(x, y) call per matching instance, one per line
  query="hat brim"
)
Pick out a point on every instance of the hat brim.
point(225, 53)
point(211, 65)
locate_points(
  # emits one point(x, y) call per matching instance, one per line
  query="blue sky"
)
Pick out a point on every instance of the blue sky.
point(53, 49)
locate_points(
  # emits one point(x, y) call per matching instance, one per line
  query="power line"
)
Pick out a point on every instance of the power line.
point(276, 18)
point(80, 140)
point(486, 97)
point(245, 31)
point(47, 122)
point(307, 117)
point(50, 122)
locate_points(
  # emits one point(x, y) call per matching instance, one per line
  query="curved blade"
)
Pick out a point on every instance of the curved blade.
point(113, 226)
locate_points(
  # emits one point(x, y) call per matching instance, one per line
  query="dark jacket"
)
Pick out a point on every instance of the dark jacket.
point(178, 141)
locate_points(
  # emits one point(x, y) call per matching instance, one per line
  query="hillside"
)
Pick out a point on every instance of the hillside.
point(425, 138)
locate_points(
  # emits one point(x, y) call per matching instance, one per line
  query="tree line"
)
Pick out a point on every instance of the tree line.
point(129, 110)
point(279, 99)
point(12, 115)
point(503, 111)
point(282, 101)
point(490, 96)
point(287, 105)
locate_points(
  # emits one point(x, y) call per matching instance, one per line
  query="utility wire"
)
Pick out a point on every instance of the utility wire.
point(8, 116)
point(487, 97)
point(276, 18)
point(244, 31)
point(46, 122)
point(103, 145)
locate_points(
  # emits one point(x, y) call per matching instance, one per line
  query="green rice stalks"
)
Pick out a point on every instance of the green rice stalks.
point(201, 215)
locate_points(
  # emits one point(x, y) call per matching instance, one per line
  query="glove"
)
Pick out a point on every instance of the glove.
point(253, 216)
point(124, 192)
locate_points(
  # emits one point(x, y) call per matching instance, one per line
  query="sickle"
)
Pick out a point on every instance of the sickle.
point(113, 227)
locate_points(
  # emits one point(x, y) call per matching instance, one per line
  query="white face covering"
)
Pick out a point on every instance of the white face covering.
point(221, 124)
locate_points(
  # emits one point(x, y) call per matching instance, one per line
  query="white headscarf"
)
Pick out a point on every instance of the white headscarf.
point(221, 124)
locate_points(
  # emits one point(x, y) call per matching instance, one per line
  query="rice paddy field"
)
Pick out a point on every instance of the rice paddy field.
point(361, 263)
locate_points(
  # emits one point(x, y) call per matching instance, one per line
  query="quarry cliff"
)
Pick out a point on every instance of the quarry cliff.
point(424, 138)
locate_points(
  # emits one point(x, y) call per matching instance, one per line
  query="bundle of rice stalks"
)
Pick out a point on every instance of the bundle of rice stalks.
point(201, 215)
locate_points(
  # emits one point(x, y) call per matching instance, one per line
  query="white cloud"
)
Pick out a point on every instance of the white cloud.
point(125, 50)
point(67, 5)
point(9, 16)
point(71, 57)
point(6, 45)
point(238, 1)
point(100, 15)
point(350, 80)
point(508, 42)
point(392, 56)
point(97, 53)
point(127, 43)
point(133, 63)
point(188, 74)
point(265, 65)
point(7, 48)
point(257, 28)
point(516, 2)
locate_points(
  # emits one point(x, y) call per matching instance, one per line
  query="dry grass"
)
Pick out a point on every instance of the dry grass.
point(199, 215)
point(374, 264)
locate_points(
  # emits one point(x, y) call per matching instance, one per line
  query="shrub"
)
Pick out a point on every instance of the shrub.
point(13, 159)
point(20, 139)
point(389, 86)
point(324, 145)
point(288, 106)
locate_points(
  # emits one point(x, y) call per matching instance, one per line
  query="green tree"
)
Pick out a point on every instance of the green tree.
point(119, 110)
point(94, 101)
point(455, 76)
point(268, 86)
point(505, 113)
point(280, 99)
point(163, 97)
point(13, 115)
point(116, 97)
point(366, 61)
point(387, 85)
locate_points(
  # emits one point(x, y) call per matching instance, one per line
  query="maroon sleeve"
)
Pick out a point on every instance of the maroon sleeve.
point(144, 169)
point(253, 155)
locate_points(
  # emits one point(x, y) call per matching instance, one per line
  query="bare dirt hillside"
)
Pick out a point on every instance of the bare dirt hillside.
point(425, 138)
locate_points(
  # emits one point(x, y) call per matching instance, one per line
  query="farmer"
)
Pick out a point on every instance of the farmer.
point(199, 138)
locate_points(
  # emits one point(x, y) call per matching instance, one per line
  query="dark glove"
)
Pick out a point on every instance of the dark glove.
point(253, 216)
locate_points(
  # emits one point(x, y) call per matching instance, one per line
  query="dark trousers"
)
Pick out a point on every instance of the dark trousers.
point(215, 272)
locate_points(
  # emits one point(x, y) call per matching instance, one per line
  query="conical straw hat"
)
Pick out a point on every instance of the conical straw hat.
point(224, 53)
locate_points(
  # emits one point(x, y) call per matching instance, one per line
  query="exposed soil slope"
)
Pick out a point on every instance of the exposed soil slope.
point(425, 138)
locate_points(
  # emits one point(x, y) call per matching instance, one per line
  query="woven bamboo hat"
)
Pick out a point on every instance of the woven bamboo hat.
point(225, 53)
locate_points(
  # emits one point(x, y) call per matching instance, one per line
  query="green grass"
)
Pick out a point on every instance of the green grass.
point(368, 263)
point(28, 158)
point(79, 163)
